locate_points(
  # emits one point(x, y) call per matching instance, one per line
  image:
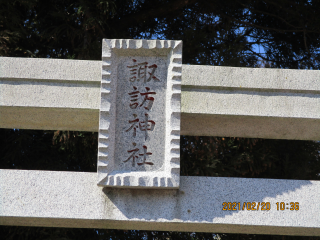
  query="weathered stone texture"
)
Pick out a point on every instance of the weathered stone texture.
point(139, 132)
point(263, 102)
point(71, 199)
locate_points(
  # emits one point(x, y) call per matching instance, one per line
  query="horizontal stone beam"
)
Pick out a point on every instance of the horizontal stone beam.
point(72, 199)
point(216, 101)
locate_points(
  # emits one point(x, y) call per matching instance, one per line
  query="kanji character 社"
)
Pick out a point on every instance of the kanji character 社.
point(144, 154)
point(133, 156)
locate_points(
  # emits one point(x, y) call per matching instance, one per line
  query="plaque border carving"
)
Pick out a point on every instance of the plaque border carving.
point(169, 175)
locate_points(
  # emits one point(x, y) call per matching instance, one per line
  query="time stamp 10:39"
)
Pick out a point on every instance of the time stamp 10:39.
point(259, 206)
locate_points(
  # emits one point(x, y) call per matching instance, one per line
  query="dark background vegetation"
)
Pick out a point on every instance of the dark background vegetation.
point(248, 33)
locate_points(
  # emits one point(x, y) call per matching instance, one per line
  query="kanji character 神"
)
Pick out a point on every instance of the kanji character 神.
point(134, 126)
point(145, 126)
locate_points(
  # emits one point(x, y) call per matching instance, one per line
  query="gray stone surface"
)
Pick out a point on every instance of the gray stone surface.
point(70, 199)
point(50, 69)
point(264, 103)
point(49, 94)
point(250, 126)
point(139, 133)
point(261, 79)
point(49, 118)
point(251, 103)
point(248, 102)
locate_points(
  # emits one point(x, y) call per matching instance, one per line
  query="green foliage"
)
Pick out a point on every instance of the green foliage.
point(48, 150)
point(243, 157)
point(213, 32)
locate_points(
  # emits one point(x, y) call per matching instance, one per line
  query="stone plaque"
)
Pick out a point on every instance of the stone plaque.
point(139, 131)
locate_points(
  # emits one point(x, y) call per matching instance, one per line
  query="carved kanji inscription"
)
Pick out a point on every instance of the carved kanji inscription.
point(141, 100)
point(139, 132)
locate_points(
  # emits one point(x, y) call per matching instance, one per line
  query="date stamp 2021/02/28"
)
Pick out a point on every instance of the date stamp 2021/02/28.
point(259, 206)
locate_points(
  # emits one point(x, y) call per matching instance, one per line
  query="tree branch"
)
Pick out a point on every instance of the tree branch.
point(246, 23)
point(156, 11)
point(270, 14)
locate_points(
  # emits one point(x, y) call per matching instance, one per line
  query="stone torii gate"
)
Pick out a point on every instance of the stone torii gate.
point(215, 101)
